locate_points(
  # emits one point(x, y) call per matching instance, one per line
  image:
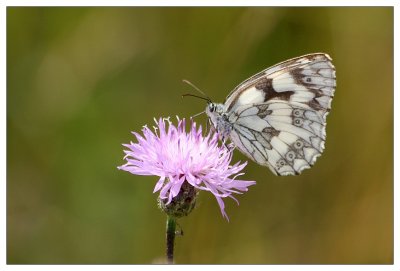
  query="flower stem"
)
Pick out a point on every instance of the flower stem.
point(171, 226)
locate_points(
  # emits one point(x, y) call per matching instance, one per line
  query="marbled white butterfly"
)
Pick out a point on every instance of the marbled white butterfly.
point(277, 117)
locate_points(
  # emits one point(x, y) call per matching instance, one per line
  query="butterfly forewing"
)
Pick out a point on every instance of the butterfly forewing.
point(279, 115)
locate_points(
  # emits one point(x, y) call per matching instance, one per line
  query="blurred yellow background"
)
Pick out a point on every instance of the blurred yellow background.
point(80, 79)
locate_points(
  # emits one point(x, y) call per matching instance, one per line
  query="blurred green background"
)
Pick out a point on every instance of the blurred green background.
point(80, 79)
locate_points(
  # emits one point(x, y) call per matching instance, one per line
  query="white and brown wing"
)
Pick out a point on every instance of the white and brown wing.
point(279, 115)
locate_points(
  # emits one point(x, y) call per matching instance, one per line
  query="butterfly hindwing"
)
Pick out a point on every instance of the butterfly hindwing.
point(286, 138)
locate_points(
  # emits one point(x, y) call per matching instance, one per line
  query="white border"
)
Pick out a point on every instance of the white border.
point(396, 187)
point(6, 3)
point(201, 267)
point(271, 3)
point(3, 153)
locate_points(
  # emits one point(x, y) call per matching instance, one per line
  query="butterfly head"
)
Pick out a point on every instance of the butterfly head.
point(217, 116)
point(214, 110)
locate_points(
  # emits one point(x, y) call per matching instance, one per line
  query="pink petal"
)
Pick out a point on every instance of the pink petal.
point(222, 207)
point(159, 184)
point(176, 187)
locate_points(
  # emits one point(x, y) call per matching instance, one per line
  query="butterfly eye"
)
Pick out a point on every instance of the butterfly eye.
point(212, 107)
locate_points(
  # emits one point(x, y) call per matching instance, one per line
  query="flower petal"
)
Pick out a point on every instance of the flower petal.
point(176, 156)
point(176, 187)
point(159, 184)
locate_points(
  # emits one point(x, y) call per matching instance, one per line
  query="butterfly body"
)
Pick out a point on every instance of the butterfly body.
point(277, 117)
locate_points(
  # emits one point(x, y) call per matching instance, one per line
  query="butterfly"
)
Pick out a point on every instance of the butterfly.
point(277, 117)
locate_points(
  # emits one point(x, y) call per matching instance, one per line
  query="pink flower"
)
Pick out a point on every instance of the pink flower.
point(177, 156)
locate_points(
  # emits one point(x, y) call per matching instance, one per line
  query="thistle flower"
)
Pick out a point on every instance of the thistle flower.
point(185, 162)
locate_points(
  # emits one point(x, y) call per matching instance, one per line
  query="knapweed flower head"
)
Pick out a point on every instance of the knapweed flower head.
point(185, 159)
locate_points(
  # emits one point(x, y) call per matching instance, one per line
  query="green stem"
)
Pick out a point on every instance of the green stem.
point(171, 225)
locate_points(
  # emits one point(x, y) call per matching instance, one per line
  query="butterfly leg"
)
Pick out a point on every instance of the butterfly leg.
point(230, 147)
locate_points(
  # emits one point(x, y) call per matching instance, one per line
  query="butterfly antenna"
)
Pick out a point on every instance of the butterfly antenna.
point(196, 96)
point(198, 114)
point(196, 88)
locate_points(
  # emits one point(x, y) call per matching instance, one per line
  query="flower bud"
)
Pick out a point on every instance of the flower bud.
point(182, 204)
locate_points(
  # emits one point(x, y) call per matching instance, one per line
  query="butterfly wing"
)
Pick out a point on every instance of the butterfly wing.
point(279, 114)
